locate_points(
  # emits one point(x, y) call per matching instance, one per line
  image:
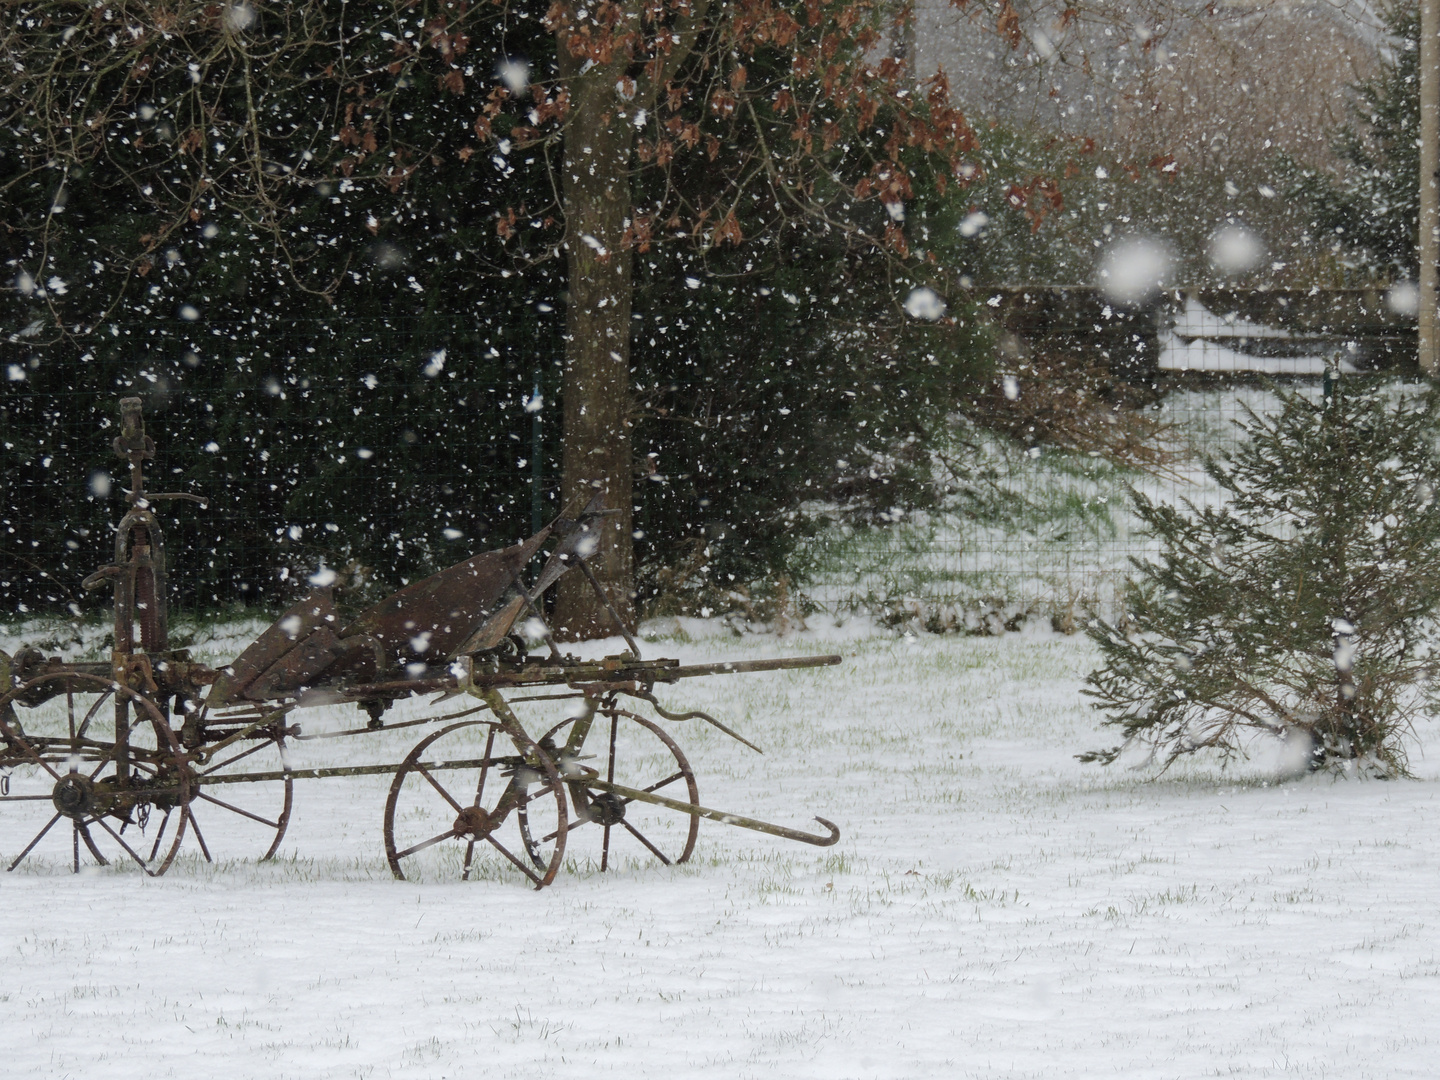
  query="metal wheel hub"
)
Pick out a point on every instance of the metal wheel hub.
point(607, 809)
point(474, 822)
point(79, 797)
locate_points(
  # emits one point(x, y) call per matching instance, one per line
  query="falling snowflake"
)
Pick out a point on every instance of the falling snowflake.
point(1132, 271)
point(923, 303)
point(1234, 249)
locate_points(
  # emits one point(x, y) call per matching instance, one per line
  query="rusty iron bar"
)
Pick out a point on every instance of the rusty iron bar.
point(351, 732)
point(207, 754)
point(614, 615)
point(538, 615)
point(721, 816)
point(203, 780)
point(440, 679)
point(200, 780)
point(737, 667)
point(426, 719)
point(692, 714)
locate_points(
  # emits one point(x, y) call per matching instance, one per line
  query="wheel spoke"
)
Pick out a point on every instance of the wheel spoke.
point(75, 846)
point(506, 852)
point(128, 849)
point(605, 851)
point(425, 844)
point(204, 850)
point(469, 857)
point(278, 823)
point(436, 785)
point(641, 837)
point(35, 756)
point(90, 843)
point(237, 810)
point(70, 715)
point(662, 783)
point(485, 768)
point(160, 835)
point(570, 826)
point(31, 846)
point(91, 714)
point(542, 787)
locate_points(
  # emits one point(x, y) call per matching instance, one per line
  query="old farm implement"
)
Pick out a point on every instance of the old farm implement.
point(136, 756)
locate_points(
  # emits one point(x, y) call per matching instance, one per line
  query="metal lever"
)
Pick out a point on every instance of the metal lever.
point(204, 502)
point(605, 599)
point(693, 714)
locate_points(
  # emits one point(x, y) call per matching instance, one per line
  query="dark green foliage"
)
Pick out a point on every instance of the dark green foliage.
point(784, 370)
point(1304, 606)
point(1374, 208)
point(798, 381)
point(392, 464)
point(290, 321)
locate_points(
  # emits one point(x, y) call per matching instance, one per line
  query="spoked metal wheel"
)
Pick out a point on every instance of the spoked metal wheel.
point(634, 752)
point(240, 815)
point(97, 795)
point(476, 799)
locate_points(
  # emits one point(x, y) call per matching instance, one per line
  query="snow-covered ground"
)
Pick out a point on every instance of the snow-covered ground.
point(993, 909)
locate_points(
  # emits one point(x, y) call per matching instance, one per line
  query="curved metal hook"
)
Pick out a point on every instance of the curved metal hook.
point(834, 834)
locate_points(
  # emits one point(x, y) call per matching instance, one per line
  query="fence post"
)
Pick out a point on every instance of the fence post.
point(537, 476)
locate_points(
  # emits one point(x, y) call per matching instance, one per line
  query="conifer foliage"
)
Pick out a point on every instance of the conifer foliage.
point(1303, 607)
point(1374, 205)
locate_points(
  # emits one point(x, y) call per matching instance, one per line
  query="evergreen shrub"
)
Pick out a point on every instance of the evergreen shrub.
point(1303, 607)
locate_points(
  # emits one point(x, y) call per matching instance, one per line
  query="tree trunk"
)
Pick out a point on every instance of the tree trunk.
point(597, 414)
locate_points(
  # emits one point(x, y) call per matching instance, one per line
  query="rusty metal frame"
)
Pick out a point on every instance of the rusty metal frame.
point(465, 614)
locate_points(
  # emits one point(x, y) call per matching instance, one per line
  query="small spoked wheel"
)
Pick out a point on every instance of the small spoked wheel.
point(631, 751)
point(126, 797)
point(476, 800)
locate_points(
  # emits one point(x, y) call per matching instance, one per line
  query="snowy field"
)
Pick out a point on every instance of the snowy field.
point(993, 909)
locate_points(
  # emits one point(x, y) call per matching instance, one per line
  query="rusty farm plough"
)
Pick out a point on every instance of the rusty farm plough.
point(133, 756)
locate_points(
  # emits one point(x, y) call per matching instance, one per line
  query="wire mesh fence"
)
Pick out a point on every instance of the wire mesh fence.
point(1057, 544)
point(1059, 541)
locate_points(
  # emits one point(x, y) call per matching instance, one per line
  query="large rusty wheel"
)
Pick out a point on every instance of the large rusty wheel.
point(634, 752)
point(124, 797)
point(475, 799)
